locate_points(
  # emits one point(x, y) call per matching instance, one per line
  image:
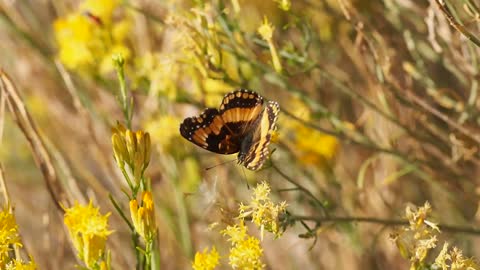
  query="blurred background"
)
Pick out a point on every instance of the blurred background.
point(379, 108)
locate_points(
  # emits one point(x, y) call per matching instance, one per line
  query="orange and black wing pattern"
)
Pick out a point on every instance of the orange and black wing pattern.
point(222, 131)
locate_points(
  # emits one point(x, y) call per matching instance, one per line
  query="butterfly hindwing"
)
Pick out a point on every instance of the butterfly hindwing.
point(254, 150)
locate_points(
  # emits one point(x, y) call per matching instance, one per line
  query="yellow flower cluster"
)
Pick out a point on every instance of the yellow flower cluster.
point(88, 37)
point(132, 148)
point(160, 71)
point(453, 260)
point(263, 211)
point(206, 260)
point(88, 230)
point(163, 130)
point(9, 236)
point(143, 217)
point(416, 240)
point(314, 147)
point(420, 237)
point(20, 265)
point(245, 251)
point(310, 146)
point(284, 5)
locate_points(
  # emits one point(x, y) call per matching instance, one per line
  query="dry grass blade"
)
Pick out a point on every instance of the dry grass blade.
point(3, 188)
point(29, 129)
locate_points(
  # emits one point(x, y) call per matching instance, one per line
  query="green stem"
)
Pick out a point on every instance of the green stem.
point(127, 105)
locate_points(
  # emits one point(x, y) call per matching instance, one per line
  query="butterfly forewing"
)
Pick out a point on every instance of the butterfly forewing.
point(240, 110)
point(208, 131)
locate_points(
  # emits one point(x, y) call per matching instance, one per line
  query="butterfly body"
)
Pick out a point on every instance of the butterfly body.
point(240, 125)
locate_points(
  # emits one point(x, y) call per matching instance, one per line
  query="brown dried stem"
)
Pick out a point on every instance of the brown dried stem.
point(29, 129)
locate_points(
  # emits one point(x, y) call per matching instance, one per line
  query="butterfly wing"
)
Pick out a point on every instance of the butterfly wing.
point(222, 131)
point(240, 110)
point(208, 132)
point(254, 149)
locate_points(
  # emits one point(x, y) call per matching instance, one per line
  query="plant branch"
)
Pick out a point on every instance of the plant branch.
point(386, 222)
point(301, 188)
point(458, 26)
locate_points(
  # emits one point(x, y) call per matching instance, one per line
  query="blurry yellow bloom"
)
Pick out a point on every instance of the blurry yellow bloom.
point(161, 72)
point(275, 136)
point(284, 5)
point(214, 91)
point(8, 235)
point(236, 6)
point(245, 251)
point(132, 148)
point(206, 260)
point(163, 130)
point(313, 146)
point(88, 230)
point(74, 35)
point(20, 265)
point(230, 65)
point(309, 145)
point(143, 217)
point(103, 8)
point(88, 38)
point(121, 30)
point(263, 211)
point(266, 32)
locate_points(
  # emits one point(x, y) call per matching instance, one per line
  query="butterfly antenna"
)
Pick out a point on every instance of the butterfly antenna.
point(228, 161)
point(245, 178)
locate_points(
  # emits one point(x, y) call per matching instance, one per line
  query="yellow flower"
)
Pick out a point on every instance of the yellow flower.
point(8, 235)
point(266, 32)
point(263, 211)
point(74, 34)
point(103, 8)
point(309, 145)
point(206, 260)
point(453, 260)
point(132, 148)
point(20, 265)
point(87, 38)
point(245, 251)
point(459, 262)
point(284, 5)
point(88, 230)
point(143, 217)
point(160, 72)
point(313, 146)
point(164, 129)
point(416, 240)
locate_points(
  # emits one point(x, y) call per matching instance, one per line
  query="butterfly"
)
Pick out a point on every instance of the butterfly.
point(241, 124)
